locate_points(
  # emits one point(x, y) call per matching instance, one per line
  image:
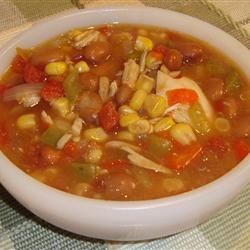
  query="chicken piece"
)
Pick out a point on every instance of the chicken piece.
point(85, 38)
point(130, 73)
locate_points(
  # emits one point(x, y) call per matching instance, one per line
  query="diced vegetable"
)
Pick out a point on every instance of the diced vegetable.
point(63, 141)
point(61, 106)
point(158, 145)
point(154, 105)
point(184, 96)
point(143, 43)
point(85, 172)
point(46, 118)
point(52, 90)
point(76, 127)
point(27, 121)
point(154, 60)
point(51, 136)
point(104, 88)
point(139, 127)
point(241, 149)
point(222, 124)
point(95, 134)
point(127, 119)
point(56, 68)
point(113, 88)
point(143, 61)
point(164, 124)
point(145, 83)
point(138, 99)
point(125, 136)
point(198, 118)
point(130, 73)
point(93, 154)
point(82, 66)
point(232, 82)
point(71, 85)
point(183, 158)
point(108, 116)
point(32, 74)
point(121, 144)
point(182, 133)
point(125, 109)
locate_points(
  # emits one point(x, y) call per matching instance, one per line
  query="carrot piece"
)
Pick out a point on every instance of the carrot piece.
point(52, 90)
point(185, 96)
point(182, 158)
point(241, 149)
point(32, 74)
point(108, 116)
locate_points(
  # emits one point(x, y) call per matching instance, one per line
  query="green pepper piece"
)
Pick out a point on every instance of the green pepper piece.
point(71, 85)
point(51, 136)
point(232, 82)
point(84, 171)
point(158, 145)
point(198, 118)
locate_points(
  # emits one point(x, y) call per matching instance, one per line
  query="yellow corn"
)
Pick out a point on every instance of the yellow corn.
point(82, 66)
point(140, 127)
point(154, 105)
point(143, 43)
point(164, 124)
point(27, 121)
point(125, 109)
point(125, 136)
point(138, 99)
point(145, 83)
point(183, 133)
point(222, 124)
point(126, 119)
point(95, 134)
point(61, 106)
point(56, 68)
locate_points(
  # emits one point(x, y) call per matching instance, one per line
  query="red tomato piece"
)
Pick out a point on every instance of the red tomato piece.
point(160, 48)
point(182, 158)
point(108, 116)
point(18, 64)
point(72, 149)
point(185, 96)
point(241, 149)
point(52, 90)
point(32, 74)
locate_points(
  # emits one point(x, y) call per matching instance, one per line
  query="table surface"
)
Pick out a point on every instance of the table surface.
point(230, 229)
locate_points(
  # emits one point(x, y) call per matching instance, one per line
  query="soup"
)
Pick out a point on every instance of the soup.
point(124, 112)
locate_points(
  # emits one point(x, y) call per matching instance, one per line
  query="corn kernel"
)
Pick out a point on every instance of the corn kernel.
point(154, 105)
point(183, 133)
point(61, 106)
point(164, 124)
point(56, 68)
point(145, 83)
point(143, 43)
point(95, 134)
point(140, 127)
point(127, 119)
point(138, 99)
point(125, 109)
point(27, 121)
point(125, 136)
point(82, 67)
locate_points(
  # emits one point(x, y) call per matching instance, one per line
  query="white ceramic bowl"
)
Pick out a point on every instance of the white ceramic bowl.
point(125, 220)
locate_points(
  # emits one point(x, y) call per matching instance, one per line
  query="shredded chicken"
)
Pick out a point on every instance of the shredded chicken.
point(63, 140)
point(29, 100)
point(120, 144)
point(143, 162)
point(46, 118)
point(130, 73)
point(112, 88)
point(166, 83)
point(85, 38)
point(143, 61)
point(180, 114)
point(104, 86)
point(76, 127)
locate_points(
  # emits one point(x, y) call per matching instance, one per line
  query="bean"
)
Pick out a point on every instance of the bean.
point(191, 52)
point(118, 186)
point(89, 81)
point(173, 59)
point(97, 52)
point(213, 88)
point(123, 94)
point(241, 126)
point(89, 105)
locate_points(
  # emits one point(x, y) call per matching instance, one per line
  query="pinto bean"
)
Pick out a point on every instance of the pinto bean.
point(173, 59)
point(89, 105)
point(241, 126)
point(97, 52)
point(118, 186)
point(191, 52)
point(89, 81)
point(213, 88)
point(123, 94)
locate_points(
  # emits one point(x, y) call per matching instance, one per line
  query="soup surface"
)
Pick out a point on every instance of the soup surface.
point(124, 112)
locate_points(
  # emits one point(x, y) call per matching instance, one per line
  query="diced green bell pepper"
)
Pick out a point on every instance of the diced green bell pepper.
point(86, 172)
point(158, 145)
point(51, 136)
